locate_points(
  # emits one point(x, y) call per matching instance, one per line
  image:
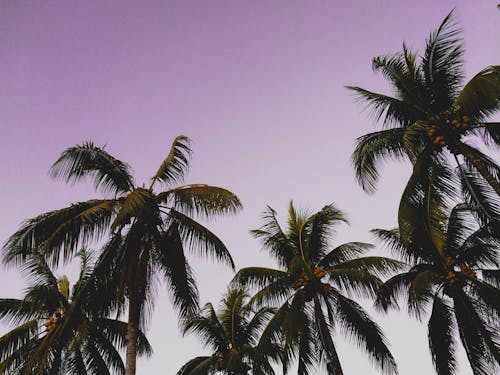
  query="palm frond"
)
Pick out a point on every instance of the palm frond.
point(442, 64)
point(199, 366)
point(176, 164)
point(169, 257)
point(200, 239)
point(201, 200)
point(356, 323)
point(344, 252)
point(372, 149)
point(480, 97)
point(61, 230)
point(110, 174)
point(441, 328)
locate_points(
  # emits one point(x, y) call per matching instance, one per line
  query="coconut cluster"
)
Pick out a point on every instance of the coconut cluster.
point(439, 132)
point(56, 319)
point(303, 282)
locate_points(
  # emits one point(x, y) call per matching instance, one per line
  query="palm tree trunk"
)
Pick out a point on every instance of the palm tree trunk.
point(132, 333)
point(466, 151)
point(326, 338)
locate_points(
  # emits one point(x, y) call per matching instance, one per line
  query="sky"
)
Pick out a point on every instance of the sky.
point(259, 88)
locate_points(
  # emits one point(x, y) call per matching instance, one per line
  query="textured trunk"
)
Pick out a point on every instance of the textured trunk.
point(132, 333)
point(333, 359)
point(479, 165)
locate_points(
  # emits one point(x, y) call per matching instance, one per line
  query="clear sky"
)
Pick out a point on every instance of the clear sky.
point(257, 85)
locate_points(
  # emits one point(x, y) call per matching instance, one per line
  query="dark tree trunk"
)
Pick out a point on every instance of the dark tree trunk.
point(334, 366)
point(132, 334)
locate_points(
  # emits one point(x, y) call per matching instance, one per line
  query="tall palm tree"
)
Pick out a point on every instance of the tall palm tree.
point(310, 286)
point(148, 231)
point(233, 335)
point(55, 331)
point(454, 271)
point(431, 112)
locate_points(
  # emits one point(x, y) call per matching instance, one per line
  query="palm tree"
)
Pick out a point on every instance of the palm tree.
point(233, 335)
point(310, 285)
point(454, 268)
point(148, 231)
point(431, 112)
point(55, 331)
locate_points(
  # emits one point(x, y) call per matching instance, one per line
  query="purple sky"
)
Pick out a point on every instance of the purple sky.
point(257, 85)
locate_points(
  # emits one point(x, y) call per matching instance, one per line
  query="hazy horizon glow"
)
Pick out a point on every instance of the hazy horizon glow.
point(258, 86)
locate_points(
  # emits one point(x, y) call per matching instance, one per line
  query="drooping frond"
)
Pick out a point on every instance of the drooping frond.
point(441, 328)
point(176, 164)
point(200, 239)
point(169, 257)
point(201, 200)
point(480, 97)
point(110, 174)
point(372, 149)
point(359, 327)
point(59, 231)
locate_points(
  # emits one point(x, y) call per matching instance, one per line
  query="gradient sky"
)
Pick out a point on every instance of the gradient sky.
point(257, 85)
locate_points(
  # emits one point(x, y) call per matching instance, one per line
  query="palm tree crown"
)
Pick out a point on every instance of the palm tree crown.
point(431, 111)
point(310, 286)
point(233, 335)
point(148, 230)
point(454, 272)
point(56, 330)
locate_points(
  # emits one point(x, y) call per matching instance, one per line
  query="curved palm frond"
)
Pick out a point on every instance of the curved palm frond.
point(201, 200)
point(110, 174)
point(480, 97)
point(373, 148)
point(176, 164)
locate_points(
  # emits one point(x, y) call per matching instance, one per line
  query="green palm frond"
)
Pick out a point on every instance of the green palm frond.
point(319, 229)
point(372, 149)
point(344, 252)
point(420, 293)
point(491, 132)
point(442, 64)
point(356, 323)
point(110, 174)
point(358, 282)
point(139, 203)
point(61, 230)
point(201, 200)
point(378, 266)
point(176, 164)
point(391, 111)
point(479, 342)
point(258, 277)
point(441, 328)
point(169, 257)
point(199, 366)
point(492, 277)
point(480, 97)
point(201, 239)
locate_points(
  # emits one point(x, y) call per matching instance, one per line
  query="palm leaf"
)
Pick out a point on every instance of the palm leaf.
point(480, 97)
point(441, 337)
point(84, 160)
point(373, 148)
point(176, 164)
point(202, 200)
point(365, 332)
